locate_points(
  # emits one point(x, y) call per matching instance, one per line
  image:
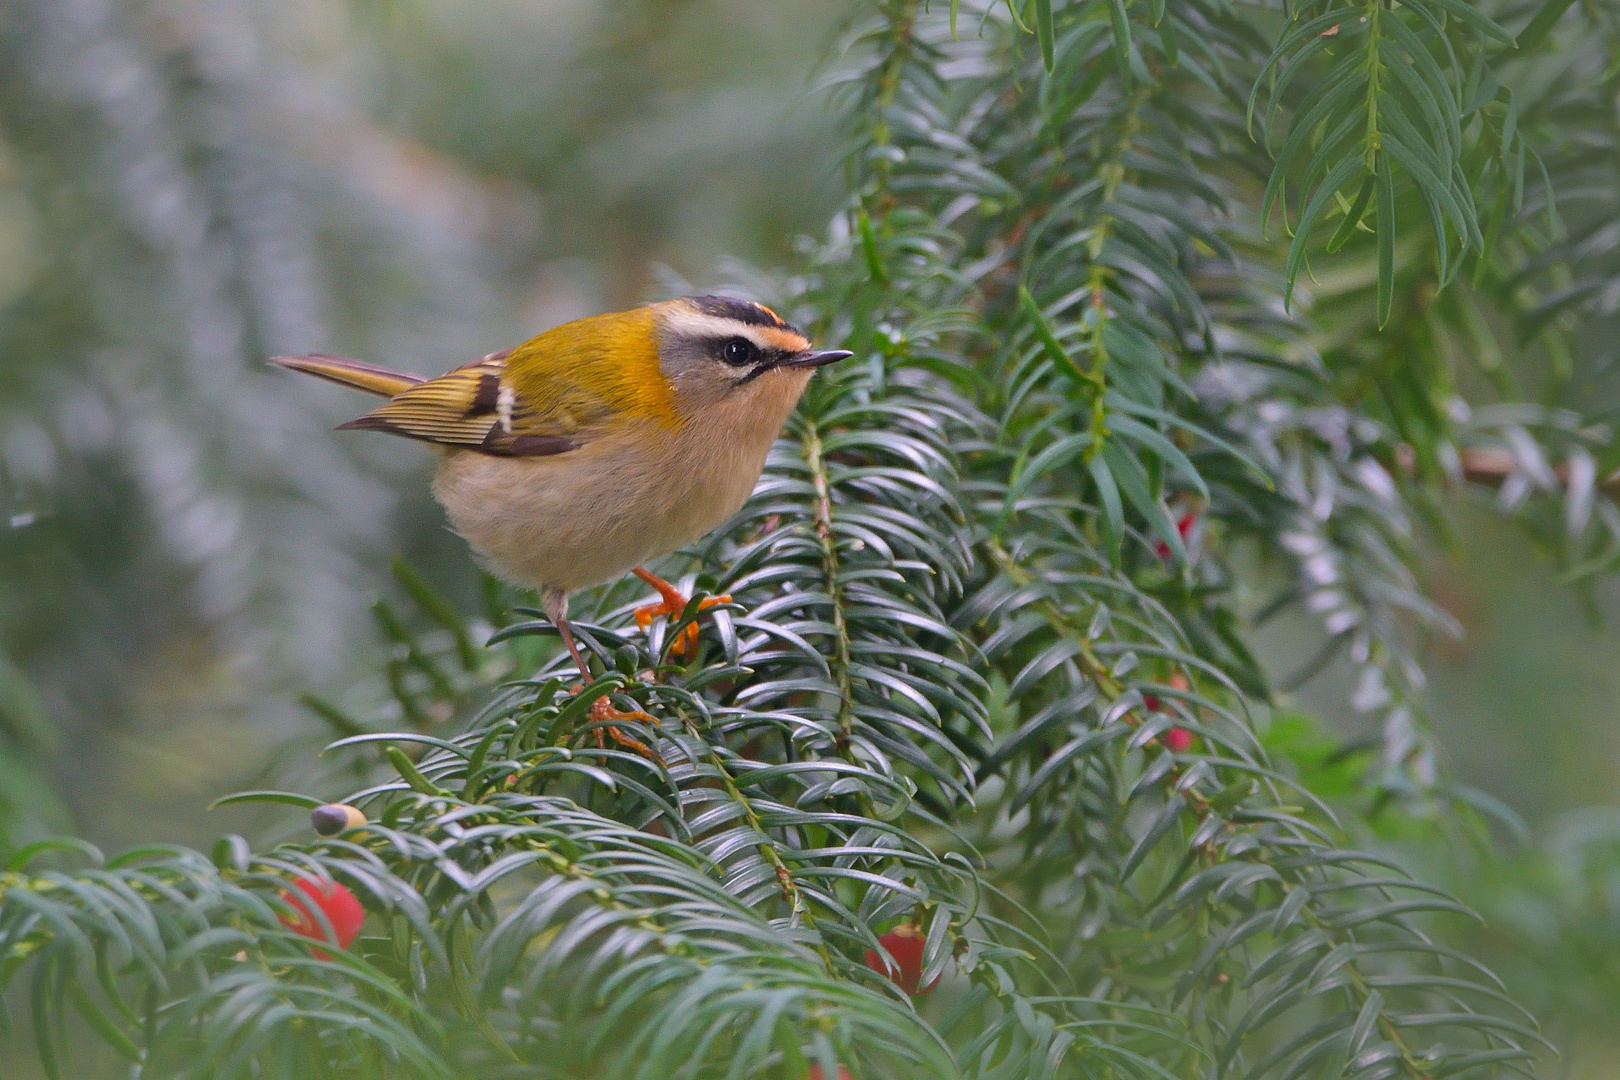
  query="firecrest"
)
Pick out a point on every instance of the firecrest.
point(600, 445)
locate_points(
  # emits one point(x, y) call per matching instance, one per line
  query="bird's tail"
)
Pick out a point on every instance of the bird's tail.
point(355, 373)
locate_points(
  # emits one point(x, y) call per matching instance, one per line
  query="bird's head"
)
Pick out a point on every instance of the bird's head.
point(716, 351)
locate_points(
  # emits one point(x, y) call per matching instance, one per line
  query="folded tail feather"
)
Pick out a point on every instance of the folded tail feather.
point(352, 373)
point(467, 407)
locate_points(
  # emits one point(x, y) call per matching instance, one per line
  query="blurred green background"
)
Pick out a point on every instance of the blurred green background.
point(190, 186)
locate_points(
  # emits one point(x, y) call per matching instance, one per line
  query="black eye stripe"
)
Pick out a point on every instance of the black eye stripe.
point(764, 360)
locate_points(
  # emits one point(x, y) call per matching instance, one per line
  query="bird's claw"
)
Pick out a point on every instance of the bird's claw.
point(685, 643)
point(671, 603)
point(603, 713)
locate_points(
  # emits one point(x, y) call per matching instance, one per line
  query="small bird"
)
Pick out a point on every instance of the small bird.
point(600, 445)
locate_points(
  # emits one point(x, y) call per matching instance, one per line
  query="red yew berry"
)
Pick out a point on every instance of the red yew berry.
point(1178, 739)
point(905, 944)
point(1153, 703)
point(334, 900)
point(1184, 526)
point(816, 1073)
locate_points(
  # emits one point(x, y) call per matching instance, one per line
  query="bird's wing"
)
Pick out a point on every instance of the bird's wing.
point(549, 395)
point(479, 407)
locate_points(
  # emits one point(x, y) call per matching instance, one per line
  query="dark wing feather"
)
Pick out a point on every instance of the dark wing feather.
point(473, 407)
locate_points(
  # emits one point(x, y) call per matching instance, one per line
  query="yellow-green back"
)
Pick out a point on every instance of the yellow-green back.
point(551, 394)
point(593, 368)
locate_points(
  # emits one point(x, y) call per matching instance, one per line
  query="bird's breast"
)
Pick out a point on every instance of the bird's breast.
point(589, 515)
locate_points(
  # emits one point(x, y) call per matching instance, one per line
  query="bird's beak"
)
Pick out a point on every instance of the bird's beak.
point(819, 359)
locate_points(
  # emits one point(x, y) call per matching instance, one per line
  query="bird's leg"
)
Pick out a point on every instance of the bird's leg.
point(672, 603)
point(602, 710)
point(573, 647)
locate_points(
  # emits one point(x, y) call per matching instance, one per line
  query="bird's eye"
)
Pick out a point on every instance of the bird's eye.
point(738, 352)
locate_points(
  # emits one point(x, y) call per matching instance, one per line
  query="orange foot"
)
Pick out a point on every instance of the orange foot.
point(672, 603)
point(603, 712)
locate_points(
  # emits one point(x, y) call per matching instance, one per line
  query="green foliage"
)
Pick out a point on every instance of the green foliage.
point(1556, 901)
point(984, 668)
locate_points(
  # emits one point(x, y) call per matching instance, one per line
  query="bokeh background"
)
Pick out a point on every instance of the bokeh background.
point(190, 186)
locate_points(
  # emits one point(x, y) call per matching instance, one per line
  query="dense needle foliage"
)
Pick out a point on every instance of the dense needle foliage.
point(984, 669)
